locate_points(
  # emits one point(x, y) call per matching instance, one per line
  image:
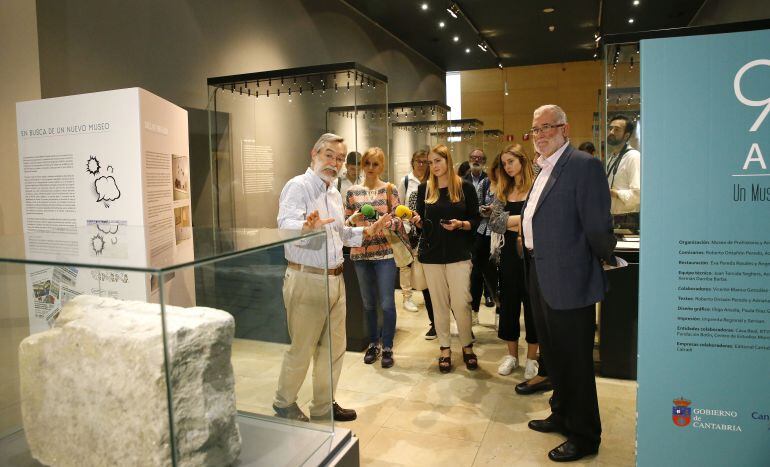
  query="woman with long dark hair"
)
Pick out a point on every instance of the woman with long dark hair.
point(512, 176)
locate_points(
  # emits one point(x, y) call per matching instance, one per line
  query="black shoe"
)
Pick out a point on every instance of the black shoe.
point(431, 334)
point(547, 426)
point(387, 358)
point(526, 389)
point(569, 451)
point(340, 414)
point(489, 303)
point(291, 412)
point(371, 354)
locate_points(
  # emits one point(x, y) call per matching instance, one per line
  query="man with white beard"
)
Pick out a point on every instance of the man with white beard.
point(311, 201)
point(477, 159)
point(483, 277)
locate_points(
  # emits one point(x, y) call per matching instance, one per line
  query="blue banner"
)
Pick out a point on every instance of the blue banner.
point(704, 302)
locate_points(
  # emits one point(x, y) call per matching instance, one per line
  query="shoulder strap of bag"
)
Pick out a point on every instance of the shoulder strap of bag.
point(388, 192)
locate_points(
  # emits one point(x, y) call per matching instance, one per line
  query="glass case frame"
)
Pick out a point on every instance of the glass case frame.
point(262, 127)
point(411, 123)
point(234, 270)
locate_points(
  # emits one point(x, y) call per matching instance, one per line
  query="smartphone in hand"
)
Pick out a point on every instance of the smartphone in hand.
point(445, 221)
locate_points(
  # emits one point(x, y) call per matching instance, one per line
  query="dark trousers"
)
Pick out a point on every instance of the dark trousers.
point(428, 304)
point(566, 339)
point(513, 294)
point(483, 273)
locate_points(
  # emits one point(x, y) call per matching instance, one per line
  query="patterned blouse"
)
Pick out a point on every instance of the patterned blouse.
point(376, 247)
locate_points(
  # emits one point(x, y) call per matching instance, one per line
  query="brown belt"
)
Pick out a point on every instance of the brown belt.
point(301, 267)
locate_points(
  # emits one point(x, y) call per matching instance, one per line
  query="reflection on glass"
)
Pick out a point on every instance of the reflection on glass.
point(191, 365)
point(621, 147)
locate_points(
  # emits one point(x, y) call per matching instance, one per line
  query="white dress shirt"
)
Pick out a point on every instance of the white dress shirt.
point(405, 194)
point(626, 181)
point(343, 184)
point(546, 167)
point(302, 195)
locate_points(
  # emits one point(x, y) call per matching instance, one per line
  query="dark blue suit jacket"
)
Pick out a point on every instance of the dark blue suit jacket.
point(572, 229)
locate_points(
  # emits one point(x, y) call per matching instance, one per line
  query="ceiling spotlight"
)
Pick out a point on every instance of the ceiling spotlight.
point(552, 28)
point(456, 38)
point(636, 2)
point(441, 24)
point(548, 10)
point(483, 46)
point(500, 65)
point(630, 20)
point(424, 6)
point(467, 50)
point(453, 10)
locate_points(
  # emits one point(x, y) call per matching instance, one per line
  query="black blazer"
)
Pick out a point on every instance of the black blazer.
point(572, 229)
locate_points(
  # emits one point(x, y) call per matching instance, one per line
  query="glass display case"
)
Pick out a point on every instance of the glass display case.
point(621, 153)
point(413, 127)
point(621, 77)
point(175, 364)
point(493, 143)
point(263, 125)
point(461, 136)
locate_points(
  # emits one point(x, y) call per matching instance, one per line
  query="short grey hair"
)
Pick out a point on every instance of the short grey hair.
point(561, 117)
point(325, 139)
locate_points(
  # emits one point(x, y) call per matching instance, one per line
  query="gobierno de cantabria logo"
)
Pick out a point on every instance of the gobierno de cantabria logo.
point(704, 419)
point(681, 412)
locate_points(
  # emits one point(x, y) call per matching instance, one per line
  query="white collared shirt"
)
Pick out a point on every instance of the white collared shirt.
point(626, 181)
point(302, 195)
point(546, 167)
point(343, 184)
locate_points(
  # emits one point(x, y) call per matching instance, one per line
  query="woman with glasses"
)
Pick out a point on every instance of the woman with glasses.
point(512, 176)
point(373, 260)
point(407, 192)
point(448, 213)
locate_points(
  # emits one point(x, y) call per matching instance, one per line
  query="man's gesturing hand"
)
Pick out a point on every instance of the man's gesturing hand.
point(314, 221)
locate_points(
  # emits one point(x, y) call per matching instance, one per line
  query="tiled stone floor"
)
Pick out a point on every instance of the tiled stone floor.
point(413, 415)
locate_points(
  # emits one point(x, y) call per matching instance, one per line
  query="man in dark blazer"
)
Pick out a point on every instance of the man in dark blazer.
point(567, 231)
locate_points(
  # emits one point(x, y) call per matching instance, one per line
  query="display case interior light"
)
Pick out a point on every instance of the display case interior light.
point(299, 84)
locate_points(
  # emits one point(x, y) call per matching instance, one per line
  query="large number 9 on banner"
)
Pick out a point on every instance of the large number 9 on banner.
point(749, 102)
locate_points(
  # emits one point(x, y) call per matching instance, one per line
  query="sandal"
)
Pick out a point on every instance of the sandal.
point(470, 359)
point(445, 363)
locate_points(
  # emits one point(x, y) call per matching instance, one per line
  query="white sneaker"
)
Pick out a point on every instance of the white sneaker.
point(474, 318)
point(409, 305)
point(530, 369)
point(509, 364)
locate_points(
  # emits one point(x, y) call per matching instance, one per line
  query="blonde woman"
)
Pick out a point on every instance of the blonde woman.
point(512, 176)
point(448, 213)
point(373, 260)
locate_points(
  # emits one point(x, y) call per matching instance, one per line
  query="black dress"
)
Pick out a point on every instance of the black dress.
point(513, 289)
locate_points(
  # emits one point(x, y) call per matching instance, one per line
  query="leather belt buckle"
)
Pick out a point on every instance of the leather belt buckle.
point(313, 270)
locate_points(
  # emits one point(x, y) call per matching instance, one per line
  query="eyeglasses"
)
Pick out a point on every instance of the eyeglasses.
point(543, 129)
point(420, 162)
point(331, 157)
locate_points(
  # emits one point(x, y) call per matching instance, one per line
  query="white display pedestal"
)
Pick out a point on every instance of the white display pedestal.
point(104, 175)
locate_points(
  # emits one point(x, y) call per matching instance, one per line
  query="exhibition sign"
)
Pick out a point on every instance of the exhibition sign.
point(704, 306)
point(104, 181)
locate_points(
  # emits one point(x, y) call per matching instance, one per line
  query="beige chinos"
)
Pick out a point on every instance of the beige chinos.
point(304, 295)
point(449, 286)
